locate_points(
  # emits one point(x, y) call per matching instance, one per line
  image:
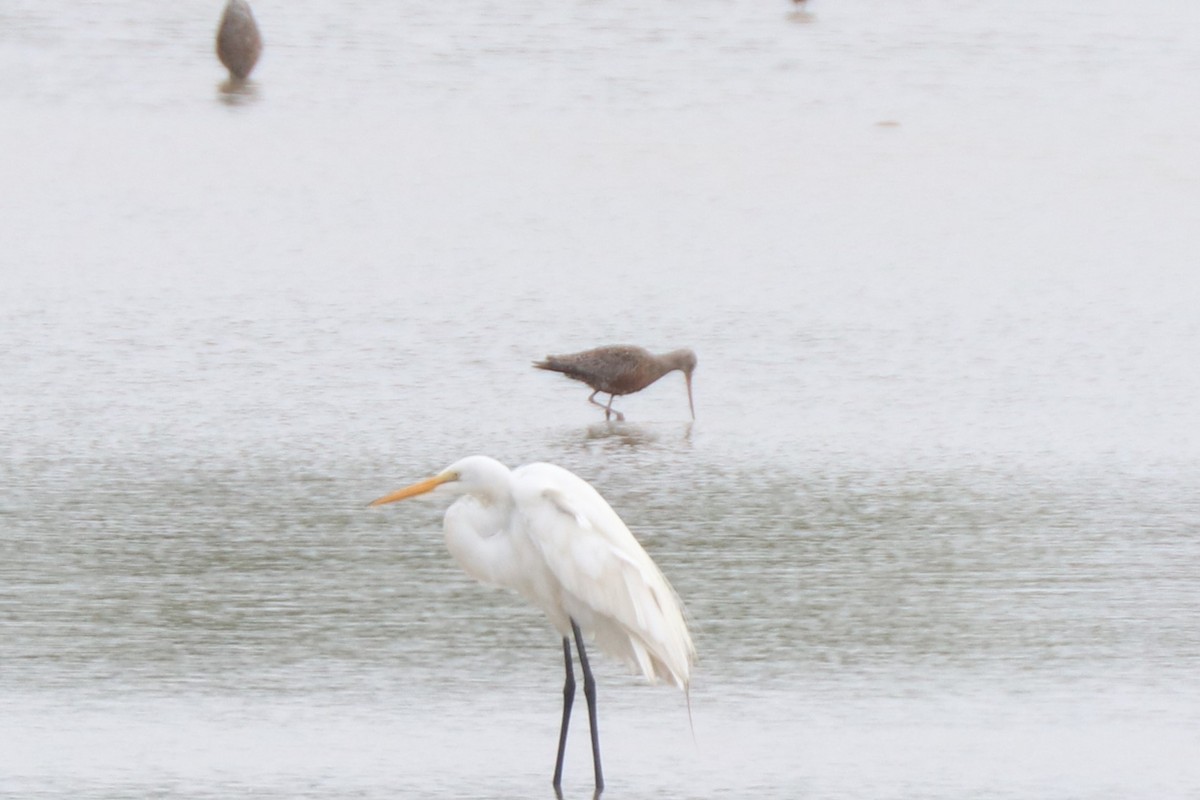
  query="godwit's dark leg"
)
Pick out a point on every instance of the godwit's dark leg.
point(568, 701)
point(593, 401)
point(608, 408)
point(589, 691)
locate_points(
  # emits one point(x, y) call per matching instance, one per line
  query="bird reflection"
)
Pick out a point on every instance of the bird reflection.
point(620, 433)
point(633, 436)
point(800, 12)
point(237, 92)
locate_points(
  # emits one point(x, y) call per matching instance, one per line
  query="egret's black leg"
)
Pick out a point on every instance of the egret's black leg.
point(589, 691)
point(568, 701)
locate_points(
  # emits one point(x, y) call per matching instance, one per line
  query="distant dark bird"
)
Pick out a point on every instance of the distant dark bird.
point(621, 369)
point(239, 43)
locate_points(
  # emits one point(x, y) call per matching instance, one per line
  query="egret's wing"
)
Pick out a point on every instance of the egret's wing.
point(608, 583)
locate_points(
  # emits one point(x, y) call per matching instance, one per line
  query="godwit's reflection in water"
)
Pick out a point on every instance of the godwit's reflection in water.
point(237, 92)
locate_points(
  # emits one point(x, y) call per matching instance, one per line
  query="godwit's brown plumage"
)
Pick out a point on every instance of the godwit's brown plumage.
point(239, 43)
point(621, 369)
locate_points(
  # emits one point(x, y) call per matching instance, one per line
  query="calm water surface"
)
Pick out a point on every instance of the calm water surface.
point(936, 522)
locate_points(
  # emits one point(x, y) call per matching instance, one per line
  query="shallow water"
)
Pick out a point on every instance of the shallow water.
point(935, 523)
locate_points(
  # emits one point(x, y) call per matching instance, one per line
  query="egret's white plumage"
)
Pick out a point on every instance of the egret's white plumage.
point(545, 533)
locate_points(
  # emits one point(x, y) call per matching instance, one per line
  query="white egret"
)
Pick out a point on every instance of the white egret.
point(545, 533)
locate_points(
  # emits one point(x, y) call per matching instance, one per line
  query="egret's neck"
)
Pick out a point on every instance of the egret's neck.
point(476, 535)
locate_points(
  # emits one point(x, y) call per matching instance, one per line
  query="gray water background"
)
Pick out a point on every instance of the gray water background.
point(936, 521)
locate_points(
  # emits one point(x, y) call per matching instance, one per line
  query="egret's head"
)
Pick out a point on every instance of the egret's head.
point(471, 475)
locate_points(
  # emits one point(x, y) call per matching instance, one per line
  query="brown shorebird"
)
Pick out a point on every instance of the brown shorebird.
point(621, 369)
point(239, 43)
